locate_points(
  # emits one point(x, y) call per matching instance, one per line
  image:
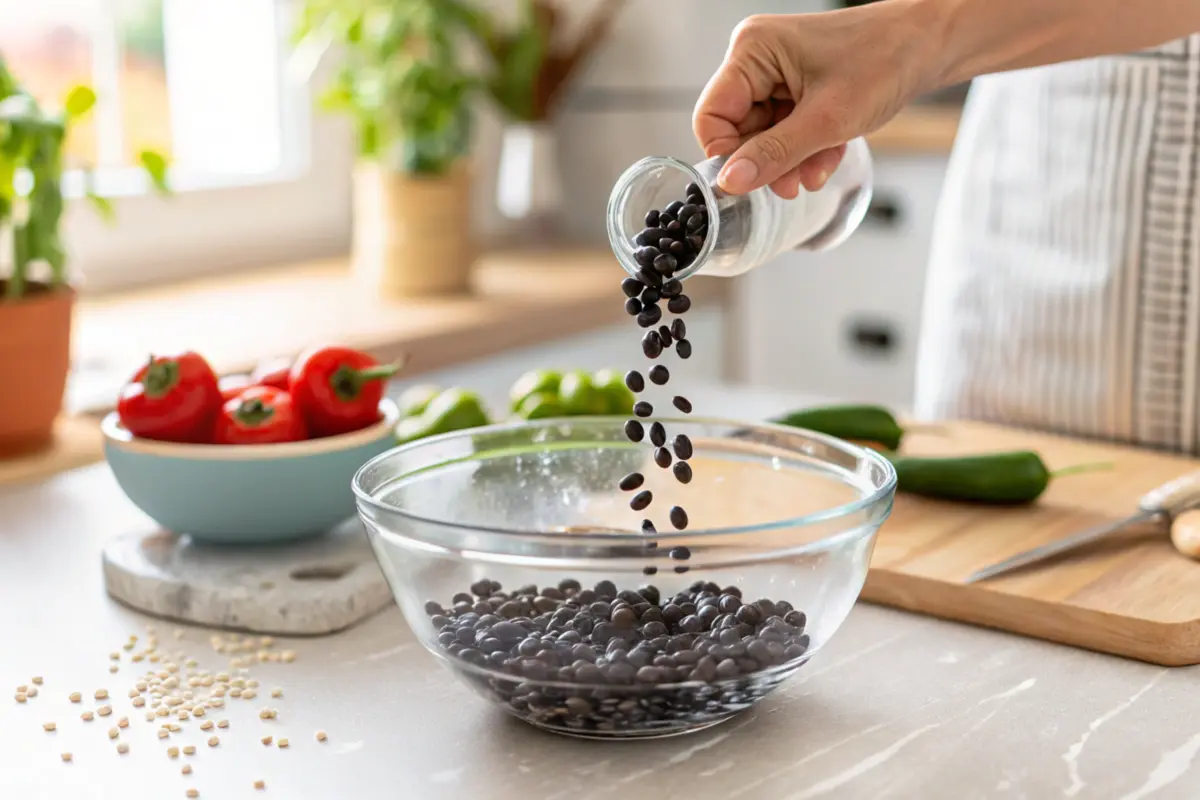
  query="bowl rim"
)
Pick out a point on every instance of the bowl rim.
point(880, 494)
point(115, 434)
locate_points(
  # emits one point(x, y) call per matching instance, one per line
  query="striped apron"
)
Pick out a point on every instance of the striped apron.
point(1063, 291)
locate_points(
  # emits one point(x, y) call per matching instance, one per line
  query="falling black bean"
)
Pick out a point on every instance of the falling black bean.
point(659, 374)
point(648, 276)
point(634, 381)
point(679, 304)
point(683, 348)
point(679, 518)
point(641, 500)
point(634, 430)
point(632, 481)
point(679, 329)
point(672, 288)
point(633, 306)
point(683, 472)
point(682, 403)
point(662, 457)
point(643, 409)
point(648, 526)
point(658, 434)
point(682, 446)
point(651, 295)
point(645, 255)
point(665, 264)
point(632, 287)
point(652, 345)
point(680, 553)
point(649, 317)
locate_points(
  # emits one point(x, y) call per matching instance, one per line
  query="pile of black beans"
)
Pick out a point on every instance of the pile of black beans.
point(671, 241)
point(601, 661)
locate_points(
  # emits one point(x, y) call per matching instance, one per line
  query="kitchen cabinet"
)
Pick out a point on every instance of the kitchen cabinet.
point(844, 323)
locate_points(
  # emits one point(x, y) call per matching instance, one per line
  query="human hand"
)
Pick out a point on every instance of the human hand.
point(794, 88)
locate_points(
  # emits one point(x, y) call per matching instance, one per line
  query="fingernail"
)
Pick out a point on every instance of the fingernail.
point(822, 177)
point(739, 176)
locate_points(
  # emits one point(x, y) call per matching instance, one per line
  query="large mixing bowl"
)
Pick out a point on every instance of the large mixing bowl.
point(520, 564)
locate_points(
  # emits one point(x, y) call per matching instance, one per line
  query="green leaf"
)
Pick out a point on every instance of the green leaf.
point(155, 164)
point(103, 206)
point(79, 101)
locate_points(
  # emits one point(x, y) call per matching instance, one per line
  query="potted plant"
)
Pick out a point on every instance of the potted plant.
point(531, 68)
point(36, 298)
point(403, 82)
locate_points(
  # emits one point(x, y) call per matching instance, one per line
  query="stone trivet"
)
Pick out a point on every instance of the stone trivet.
point(316, 586)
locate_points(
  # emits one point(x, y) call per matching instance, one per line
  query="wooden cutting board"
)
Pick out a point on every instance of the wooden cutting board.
point(1131, 594)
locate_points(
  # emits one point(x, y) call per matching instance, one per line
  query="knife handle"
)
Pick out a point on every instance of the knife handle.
point(1173, 497)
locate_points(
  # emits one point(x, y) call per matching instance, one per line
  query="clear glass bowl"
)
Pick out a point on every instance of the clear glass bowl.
point(467, 526)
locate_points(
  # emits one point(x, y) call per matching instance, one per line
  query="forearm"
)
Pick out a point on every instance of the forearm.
point(983, 36)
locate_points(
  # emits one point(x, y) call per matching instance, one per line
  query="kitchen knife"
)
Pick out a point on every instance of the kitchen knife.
point(1162, 504)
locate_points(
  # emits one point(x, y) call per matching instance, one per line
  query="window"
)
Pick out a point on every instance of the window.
point(257, 177)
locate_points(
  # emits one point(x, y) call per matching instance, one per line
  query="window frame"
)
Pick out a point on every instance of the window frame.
point(205, 227)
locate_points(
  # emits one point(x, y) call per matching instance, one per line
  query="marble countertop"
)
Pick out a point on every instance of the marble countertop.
point(896, 706)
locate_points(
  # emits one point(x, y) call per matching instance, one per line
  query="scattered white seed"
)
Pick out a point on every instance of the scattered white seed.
point(182, 713)
point(288, 656)
point(213, 741)
point(162, 711)
point(267, 739)
point(87, 716)
point(150, 716)
point(186, 769)
point(260, 784)
point(267, 713)
point(37, 680)
point(322, 736)
point(198, 711)
point(32, 692)
point(173, 751)
point(19, 697)
point(113, 733)
point(253, 684)
point(223, 677)
point(122, 748)
point(189, 750)
point(193, 793)
point(277, 693)
point(141, 686)
point(223, 723)
point(104, 711)
point(49, 727)
point(123, 722)
point(22, 689)
point(102, 694)
point(139, 701)
point(163, 733)
point(115, 656)
point(249, 694)
point(173, 728)
point(113, 668)
point(283, 742)
point(66, 757)
point(218, 703)
point(137, 658)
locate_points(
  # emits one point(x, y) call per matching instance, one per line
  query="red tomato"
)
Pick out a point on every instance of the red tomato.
point(233, 385)
point(259, 415)
point(338, 389)
point(173, 398)
point(273, 373)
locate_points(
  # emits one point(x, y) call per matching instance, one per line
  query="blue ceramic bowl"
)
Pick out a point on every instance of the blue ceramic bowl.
point(245, 494)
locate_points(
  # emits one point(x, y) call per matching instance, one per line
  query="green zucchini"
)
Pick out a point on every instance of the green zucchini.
point(862, 423)
point(1010, 478)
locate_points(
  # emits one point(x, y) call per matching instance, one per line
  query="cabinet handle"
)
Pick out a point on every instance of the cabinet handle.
point(872, 337)
point(884, 212)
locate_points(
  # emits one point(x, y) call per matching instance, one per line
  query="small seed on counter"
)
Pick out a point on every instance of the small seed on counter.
point(37, 680)
point(193, 793)
point(122, 747)
point(49, 727)
point(213, 741)
point(207, 725)
point(186, 769)
point(189, 750)
point(31, 692)
point(101, 694)
point(66, 757)
point(173, 751)
point(75, 697)
point(163, 733)
point(20, 697)
point(321, 736)
point(113, 733)
point(223, 723)
point(123, 722)
point(87, 716)
point(266, 739)
point(283, 743)
point(259, 784)
point(267, 713)
point(139, 702)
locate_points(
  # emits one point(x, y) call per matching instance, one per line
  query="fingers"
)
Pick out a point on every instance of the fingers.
point(811, 174)
point(773, 153)
point(726, 102)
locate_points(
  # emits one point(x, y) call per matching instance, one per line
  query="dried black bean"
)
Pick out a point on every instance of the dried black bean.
point(648, 276)
point(633, 306)
point(675, 228)
point(659, 375)
point(682, 446)
point(695, 242)
point(672, 288)
point(658, 434)
point(678, 249)
point(665, 264)
point(696, 222)
point(682, 403)
point(679, 304)
point(645, 255)
point(683, 349)
point(664, 244)
point(632, 481)
point(652, 218)
point(642, 409)
point(632, 287)
point(679, 518)
point(649, 317)
point(664, 333)
point(634, 430)
point(651, 295)
point(652, 345)
point(634, 381)
point(641, 500)
point(673, 207)
point(692, 188)
point(683, 471)
point(662, 457)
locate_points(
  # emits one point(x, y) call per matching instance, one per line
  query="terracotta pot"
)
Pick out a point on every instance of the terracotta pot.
point(35, 356)
point(412, 235)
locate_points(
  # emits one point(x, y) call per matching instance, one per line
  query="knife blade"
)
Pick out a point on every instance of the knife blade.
point(1161, 504)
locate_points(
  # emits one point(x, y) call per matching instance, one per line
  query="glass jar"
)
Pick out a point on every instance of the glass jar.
point(744, 231)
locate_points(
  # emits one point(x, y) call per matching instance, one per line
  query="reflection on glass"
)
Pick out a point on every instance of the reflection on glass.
point(145, 101)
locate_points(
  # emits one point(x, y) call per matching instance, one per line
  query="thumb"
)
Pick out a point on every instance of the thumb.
point(778, 150)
